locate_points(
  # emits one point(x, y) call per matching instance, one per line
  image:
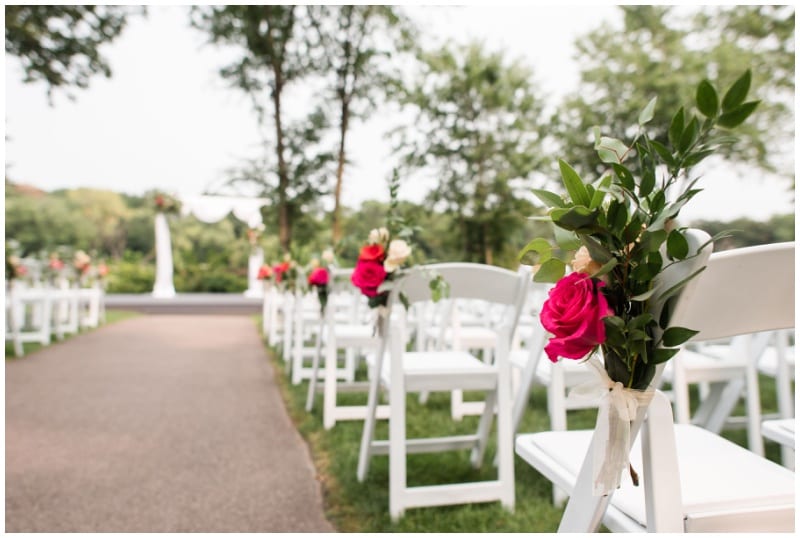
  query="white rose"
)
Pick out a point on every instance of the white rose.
point(327, 256)
point(379, 235)
point(398, 252)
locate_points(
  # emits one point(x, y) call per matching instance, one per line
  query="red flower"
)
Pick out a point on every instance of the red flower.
point(160, 201)
point(574, 313)
point(102, 269)
point(372, 253)
point(265, 271)
point(279, 269)
point(56, 264)
point(368, 275)
point(318, 277)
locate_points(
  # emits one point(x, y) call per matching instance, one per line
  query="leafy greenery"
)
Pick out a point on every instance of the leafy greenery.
point(624, 221)
point(477, 127)
point(659, 51)
point(60, 45)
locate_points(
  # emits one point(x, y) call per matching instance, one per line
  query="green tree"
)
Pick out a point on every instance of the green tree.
point(307, 162)
point(273, 55)
point(60, 45)
point(477, 127)
point(659, 52)
point(358, 43)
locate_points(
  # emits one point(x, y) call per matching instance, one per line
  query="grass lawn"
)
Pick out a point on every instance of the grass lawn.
point(355, 507)
point(31, 347)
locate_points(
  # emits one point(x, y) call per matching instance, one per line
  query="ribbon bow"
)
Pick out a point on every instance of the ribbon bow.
point(617, 409)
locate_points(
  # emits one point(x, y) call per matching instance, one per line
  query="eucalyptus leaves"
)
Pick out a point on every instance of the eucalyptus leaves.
point(626, 223)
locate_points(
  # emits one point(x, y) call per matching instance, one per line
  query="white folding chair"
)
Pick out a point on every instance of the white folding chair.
point(347, 325)
point(21, 327)
point(444, 370)
point(89, 306)
point(693, 479)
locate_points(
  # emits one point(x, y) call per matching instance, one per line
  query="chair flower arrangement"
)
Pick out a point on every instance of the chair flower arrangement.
point(319, 277)
point(384, 256)
point(164, 203)
point(82, 263)
point(623, 232)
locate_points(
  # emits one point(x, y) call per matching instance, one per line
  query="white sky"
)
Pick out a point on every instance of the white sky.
point(166, 120)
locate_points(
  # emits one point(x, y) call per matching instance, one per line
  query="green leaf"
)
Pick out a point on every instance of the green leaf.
point(574, 185)
point(707, 99)
point(550, 199)
point(694, 158)
point(651, 240)
point(737, 92)
point(611, 150)
point(566, 239)
point(663, 152)
point(647, 112)
point(550, 271)
point(539, 245)
point(600, 193)
point(617, 217)
point(641, 320)
point(644, 296)
point(677, 246)
point(648, 182)
point(597, 250)
point(736, 116)
point(625, 176)
point(663, 355)
point(689, 135)
point(404, 300)
point(676, 127)
point(675, 336)
point(606, 268)
point(576, 218)
point(679, 286)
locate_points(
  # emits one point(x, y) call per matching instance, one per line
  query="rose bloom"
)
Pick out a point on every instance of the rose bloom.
point(327, 256)
point(102, 269)
point(399, 251)
point(583, 262)
point(314, 263)
point(372, 253)
point(279, 269)
point(379, 235)
point(81, 260)
point(367, 276)
point(56, 264)
point(573, 314)
point(264, 272)
point(318, 277)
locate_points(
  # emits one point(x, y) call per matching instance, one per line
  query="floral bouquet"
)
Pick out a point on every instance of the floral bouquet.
point(319, 277)
point(623, 233)
point(14, 268)
point(165, 203)
point(285, 273)
point(83, 264)
point(378, 262)
point(264, 272)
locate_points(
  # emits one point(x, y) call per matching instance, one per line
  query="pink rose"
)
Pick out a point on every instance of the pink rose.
point(318, 277)
point(574, 313)
point(367, 276)
point(264, 272)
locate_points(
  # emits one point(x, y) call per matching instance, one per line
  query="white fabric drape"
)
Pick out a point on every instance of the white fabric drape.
point(163, 286)
point(254, 287)
point(212, 209)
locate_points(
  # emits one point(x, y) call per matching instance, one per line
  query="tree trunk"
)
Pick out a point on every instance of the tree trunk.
point(284, 221)
point(337, 193)
point(488, 253)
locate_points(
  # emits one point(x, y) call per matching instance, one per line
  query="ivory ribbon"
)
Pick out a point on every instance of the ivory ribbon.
point(612, 439)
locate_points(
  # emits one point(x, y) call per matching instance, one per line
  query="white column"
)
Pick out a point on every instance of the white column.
point(163, 286)
point(255, 288)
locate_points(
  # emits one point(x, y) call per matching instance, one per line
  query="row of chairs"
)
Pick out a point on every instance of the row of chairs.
point(34, 314)
point(435, 347)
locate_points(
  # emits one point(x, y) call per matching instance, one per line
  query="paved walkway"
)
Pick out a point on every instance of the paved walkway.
point(155, 424)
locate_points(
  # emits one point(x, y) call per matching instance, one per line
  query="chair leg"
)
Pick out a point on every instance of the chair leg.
point(680, 391)
point(753, 403)
point(484, 429)
point(397, 435)
point(368, 431)
point(329, 394)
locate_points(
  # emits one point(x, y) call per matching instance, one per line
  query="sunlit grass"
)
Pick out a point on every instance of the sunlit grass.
point(363, 507)
point(32, 347)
